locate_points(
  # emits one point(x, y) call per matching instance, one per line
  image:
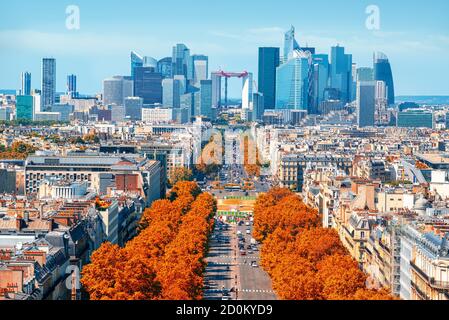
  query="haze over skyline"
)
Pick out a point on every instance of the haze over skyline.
point(416, 41)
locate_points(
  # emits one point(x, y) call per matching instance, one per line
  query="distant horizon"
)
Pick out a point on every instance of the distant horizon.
point(228, 33)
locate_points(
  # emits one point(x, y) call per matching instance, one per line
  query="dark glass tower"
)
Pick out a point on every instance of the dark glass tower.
point(382, 72)
point(268, 62)
point(148, 85)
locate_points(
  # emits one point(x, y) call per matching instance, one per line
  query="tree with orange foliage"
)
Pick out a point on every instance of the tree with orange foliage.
point(340, 276)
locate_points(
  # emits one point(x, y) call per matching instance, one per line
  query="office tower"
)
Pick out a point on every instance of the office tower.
point(25, 78)
point(165, 66)
point(181, 61)
point(200, 69)
point(71, 86)
point(365, 74)
point(148, 85)
point(171, 93)
point(116, 89)
point(268, 63)
point(216, 90)
point(150, 62)
point(341, 73)
point(133, 108)
point(292, 82)
point(381, 114)
point(5, 113)
point(415, 118)
point(247, 91)
point(366, 103)
point(48, 83)
point(64, 110)
point(206, 98)
point(320, 79)
point(136, 61)
point(117, 112)
point(290, 43)
point(183, 86)
point(382, 72)
point(258, 106)
point(25, 108)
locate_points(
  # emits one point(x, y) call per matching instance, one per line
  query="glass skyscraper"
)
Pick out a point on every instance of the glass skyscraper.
point(268, 63)
point(26, 83)
point(171, 93)
point(341, 73)
point(292, 82)
point(116, 90)
point(164, 67)
point(320, 79)
point(200, 68)
point(382, 72)
point(365, 74)
point(148, 85)
point(206, 98)
point(366, 103)
point(290, 43)
point(181, 61)
point(71, 86)
point(48, 83)
point(136, 61)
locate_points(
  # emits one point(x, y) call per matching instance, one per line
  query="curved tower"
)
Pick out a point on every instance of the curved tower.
point(382, 72)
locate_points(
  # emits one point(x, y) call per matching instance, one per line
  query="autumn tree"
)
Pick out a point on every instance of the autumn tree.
point(180, 174)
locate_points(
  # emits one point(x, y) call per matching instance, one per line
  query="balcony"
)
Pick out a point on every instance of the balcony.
point(439, 285)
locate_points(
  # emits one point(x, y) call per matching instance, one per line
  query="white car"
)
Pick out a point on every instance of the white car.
point(248, 231)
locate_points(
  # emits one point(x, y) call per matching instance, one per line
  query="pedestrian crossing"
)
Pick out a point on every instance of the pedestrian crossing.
point(240, 257)
point(229, 264)
point(257, 291)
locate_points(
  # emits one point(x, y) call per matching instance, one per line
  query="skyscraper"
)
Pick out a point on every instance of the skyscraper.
point(206, 98)
point(290, 43)
point(71, 86)
point(292, 82)
point(133, 108)
point(136, 61)
point(116, 90)
point(25, 78)
point(165, 66)
point(382, 72)
point(48, 83)
point(268, 63)
point(171, 93)
point(258, 106)
point(181, 61)
point(341, 73)
point(148, 85)
point(366, 103)
point(200, 68)
point(365, 74)
point(247, 91)
point(320, 79)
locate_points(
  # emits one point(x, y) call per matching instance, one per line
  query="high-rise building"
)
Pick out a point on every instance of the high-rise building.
point(247, 91)
point(133, 108)
point(268, 63)
point(200, 68)
point(365, 74)
point(290, 43)
point(206, 98)
point(148, 85)
point(292, 82)
point(366, 103)
point(48, 83)
point(382, 72)
point(171, 93)
point(25, 78)
point(24, 108)
point(258, 106)
point(216, 90)
point(341, 73)
point(116, 90)
point(165, 66)
point(181, 61)
point(71, 86)
point(320, 79)
point(136, 61)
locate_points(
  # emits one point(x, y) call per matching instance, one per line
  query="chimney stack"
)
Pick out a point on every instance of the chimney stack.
point(18, 224)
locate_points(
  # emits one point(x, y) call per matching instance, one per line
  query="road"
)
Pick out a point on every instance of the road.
point(228, 269)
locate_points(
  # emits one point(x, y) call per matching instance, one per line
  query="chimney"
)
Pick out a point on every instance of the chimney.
point(18, 224)
point(50, 224)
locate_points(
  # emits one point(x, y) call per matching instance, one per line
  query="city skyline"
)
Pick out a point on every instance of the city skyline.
point(101, 48)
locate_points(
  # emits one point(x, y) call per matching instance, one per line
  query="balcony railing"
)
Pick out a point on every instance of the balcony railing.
point(441, 285)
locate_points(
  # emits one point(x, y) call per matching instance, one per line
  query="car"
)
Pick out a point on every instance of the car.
point(242, 253)
point(248, 231)
point(247, 223)
point(250, 252)
point(254, 264)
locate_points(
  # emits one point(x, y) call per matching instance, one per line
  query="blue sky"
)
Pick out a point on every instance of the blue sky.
point(414, 35)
